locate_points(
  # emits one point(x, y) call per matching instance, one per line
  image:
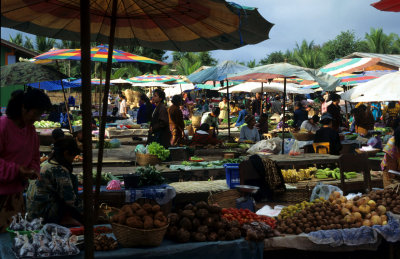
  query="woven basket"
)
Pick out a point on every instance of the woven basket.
point(293, 196)
point(147, 159)
point(225, 199)
point(133, 237)
point(303, 136)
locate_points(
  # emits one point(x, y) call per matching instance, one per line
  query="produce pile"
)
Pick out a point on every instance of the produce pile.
point(202, 222)
point(146, 216)
point(149, 176)
point(77, 123)
point(46, 124)
point(336, 213)
point(335, 173)
point(213, 163)
point(388, 198)
point(154, 149)
point(293, 175)
point(104, 243)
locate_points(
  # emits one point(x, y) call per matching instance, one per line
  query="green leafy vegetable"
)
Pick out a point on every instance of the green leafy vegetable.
point(149, 175)
point(156, 149)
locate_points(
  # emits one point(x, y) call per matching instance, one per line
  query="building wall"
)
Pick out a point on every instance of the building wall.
point(5, 92)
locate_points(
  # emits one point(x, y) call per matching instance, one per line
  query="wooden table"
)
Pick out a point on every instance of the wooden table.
point(304, 159)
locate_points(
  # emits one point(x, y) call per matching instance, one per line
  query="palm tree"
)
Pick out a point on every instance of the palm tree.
point(379, 42)
point(17, 39)
point(251, 63)
point(44, 44)
point(67, 44)
point(28, 43)
point(188, 64)
point(308, 55)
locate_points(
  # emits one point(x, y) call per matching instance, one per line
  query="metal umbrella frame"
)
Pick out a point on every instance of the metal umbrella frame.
point(203, 25)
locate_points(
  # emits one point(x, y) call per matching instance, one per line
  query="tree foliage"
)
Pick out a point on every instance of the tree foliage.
point(344, 44)
point(379, 42)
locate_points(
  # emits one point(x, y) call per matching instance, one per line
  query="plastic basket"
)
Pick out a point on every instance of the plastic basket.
point(232, 175)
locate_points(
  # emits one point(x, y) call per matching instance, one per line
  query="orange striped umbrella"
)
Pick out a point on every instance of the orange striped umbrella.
point(185, 25)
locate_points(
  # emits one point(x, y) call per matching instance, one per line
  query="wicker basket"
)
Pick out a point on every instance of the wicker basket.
point(133, 237)
point(225, 199)
point(303, 136)
point(294, 196)
point(147, 159)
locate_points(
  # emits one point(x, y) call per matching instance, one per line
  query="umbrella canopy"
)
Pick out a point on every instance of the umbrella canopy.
point(194, 25)
point(209, 85)
point(346, 79)
point(385, 88)
point(217, 73)
point(387, 5)
point(255, 87)
point(151, 84)
point(22, 73)
point(97, 54)
point(349, 65)
point(120, 81)
point(53, 85)
point(147, 78)
point(93, 81)
point(326, 81)
point(178, 89)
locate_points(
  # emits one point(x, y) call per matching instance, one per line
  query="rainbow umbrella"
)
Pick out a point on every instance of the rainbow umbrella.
point(147, 78)
point(348, 65)
point(97, 54)
point(345, 79)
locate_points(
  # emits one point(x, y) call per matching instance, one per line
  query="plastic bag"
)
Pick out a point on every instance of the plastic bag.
point(115, 143)
point(324, 190)
point(140, 149)
point(266, 145)
point(295, 150)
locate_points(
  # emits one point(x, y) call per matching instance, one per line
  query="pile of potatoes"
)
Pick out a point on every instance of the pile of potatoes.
point(146, 216)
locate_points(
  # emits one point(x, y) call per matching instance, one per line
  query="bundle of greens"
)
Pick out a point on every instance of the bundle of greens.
point(149, 175)
point(156, 149)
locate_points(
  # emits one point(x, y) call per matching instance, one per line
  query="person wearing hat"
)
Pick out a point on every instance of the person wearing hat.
point(328, 134)
point(334, 110)
point(311, 125)
point(249, 132)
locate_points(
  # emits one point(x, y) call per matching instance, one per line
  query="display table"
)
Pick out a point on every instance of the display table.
point(304, 159)
point(236, 249)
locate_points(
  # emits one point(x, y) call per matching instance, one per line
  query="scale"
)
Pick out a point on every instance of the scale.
point(246, 201)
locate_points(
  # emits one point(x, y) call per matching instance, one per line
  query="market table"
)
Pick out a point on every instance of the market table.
point(304, 159)
point(236, 249)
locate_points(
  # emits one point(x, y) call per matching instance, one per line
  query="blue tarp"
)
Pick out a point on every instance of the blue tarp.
point(53, 85)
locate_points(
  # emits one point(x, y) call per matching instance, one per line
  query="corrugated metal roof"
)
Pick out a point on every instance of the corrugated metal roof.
point(390, 59)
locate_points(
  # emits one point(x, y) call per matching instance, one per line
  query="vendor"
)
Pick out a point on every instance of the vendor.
point(364, 120)
point(19, 150)
point(241, 116)
point(78, 136)
point(211, 118)
point(335, 111)
point(159, 126)
point(391, 160)
point(176, 124)
point(145, 110)
point(223, 106)
point(122, 106)
point(64, 118)
point(262, 125)
point(311, 125)
point(249, 132)
point(328, 134)
point(390, 113)
point(202, 136)
point(300, 115)
point(54, 196)
point(234, 109)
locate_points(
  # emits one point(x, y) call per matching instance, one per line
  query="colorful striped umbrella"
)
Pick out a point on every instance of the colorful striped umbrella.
point(97, 54)
point(146, 78)
point(345, 79)
point(349, 65)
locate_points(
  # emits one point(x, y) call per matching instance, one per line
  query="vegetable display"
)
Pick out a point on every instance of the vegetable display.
point(246, 216)
point(77, 123)
point(335, 173)
point(149, 175)
point(156, 149)
point(46, 124)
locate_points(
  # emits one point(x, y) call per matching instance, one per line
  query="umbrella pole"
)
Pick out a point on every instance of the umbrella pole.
point(101, 81)
point(104, 112)
point(229, 117)
point(284, 108)
point(86, 129)
point(65, 101)
point(262, 95)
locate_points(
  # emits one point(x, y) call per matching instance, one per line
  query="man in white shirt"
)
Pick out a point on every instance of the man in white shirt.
point(311, 125)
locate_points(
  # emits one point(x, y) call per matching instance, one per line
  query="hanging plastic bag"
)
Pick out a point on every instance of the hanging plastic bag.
point(295, 150)
point(324, 190)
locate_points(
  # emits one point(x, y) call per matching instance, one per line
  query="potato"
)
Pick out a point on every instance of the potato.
point(159, 224)
point(174, 218)
point(136, 206)
point(147, 222)
point(147, 207)
point(188, 213)
point(134, 222)
point(183, 235)
point(159, 215)
point(185, 223)
point(141, 212)
point(200, 237)
point(156, 208)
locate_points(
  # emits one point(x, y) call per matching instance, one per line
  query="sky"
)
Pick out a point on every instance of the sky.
point(296, 20)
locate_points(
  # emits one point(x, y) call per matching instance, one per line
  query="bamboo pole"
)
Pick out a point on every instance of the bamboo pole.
point(65, 101)
point(86, 129)
point(105, 102)
point(229, 117)
point(284, 108)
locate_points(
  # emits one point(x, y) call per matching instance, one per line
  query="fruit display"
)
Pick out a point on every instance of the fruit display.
point(104, 243)
point(336, 213)
point(156, 149)
point(46, 124)
point(146, 216)
point(335, 173)
point(290, 210)
point(258, 231)
point(243, 216)
point(293, 175)
point(389, 198)
point(201, 222)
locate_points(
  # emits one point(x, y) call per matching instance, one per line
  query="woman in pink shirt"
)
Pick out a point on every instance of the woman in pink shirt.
point(19, 150)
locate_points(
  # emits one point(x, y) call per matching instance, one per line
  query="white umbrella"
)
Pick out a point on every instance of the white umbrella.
point(151, 84)
point(120, 81)
point(383, 89)
point(255, 87)
point(178, 89)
